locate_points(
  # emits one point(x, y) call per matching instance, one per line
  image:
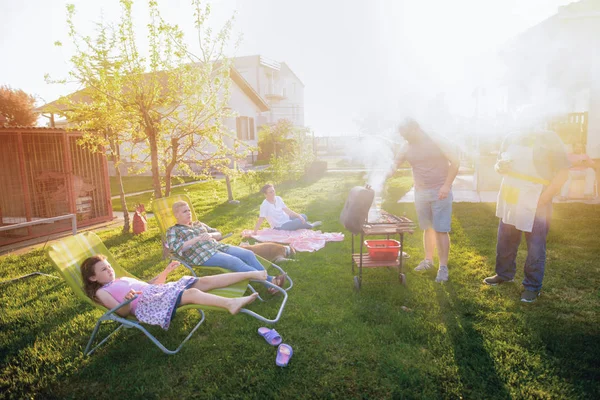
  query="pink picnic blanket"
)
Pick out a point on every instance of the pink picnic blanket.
point(300, 240)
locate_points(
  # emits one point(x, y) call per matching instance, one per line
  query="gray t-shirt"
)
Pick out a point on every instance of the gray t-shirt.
point(549, 153)
point(429, 163)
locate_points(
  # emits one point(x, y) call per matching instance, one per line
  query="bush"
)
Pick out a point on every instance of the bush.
point(315, 170)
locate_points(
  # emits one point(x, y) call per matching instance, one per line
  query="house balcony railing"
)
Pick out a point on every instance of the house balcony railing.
point(275, 93)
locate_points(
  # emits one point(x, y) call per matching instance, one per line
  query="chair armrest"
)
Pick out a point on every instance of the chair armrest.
point(114, 309)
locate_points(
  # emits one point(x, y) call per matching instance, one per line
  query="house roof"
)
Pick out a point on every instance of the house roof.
point(269, 63)
point(57, 106)
point(292, 72)
point(20, 129)
point(248, 90)
point(29, 128)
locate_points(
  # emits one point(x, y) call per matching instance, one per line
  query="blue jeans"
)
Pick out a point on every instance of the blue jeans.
point(236, 259)
point(509, 239)
point(295, 224)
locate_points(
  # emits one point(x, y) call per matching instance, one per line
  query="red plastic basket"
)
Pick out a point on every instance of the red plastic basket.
point(383, 250)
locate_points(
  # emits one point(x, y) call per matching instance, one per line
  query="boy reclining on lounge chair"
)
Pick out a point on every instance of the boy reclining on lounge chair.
point(197, 244)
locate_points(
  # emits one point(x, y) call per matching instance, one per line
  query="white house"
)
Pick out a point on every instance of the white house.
point(244, 101)
point(278, 84)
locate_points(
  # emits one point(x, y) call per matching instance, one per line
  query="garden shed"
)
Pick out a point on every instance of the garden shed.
point(45, 173)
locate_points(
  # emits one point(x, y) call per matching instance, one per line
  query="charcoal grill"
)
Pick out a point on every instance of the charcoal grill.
point(384, 224)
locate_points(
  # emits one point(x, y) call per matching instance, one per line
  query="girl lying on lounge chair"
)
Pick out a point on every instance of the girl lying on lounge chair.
point(158, 300)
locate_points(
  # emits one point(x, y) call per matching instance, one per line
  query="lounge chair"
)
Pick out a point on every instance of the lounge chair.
point(67, 256)
point(163, 211)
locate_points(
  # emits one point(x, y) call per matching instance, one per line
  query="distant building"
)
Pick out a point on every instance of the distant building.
point(278, 84)
point(244, 100)
point(263, 92)
point(560, 56)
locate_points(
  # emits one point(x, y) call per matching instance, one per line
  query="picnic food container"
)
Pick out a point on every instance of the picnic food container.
point(384, 249)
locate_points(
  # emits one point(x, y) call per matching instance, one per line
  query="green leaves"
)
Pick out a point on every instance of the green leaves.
point(166, 105)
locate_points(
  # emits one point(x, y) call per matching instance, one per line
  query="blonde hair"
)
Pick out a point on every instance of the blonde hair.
point(178, 204)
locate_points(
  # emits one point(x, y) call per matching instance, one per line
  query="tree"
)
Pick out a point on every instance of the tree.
point(276, 140)
point(289, 147)
point(96, 110)
point(174, 101)
point(16, 107)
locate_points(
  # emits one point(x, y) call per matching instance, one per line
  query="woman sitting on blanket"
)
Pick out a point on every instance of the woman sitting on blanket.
point(158, 300)
point(274, 210)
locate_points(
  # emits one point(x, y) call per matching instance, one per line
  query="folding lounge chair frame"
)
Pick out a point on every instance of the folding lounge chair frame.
point(68, 254)
point(163, 211)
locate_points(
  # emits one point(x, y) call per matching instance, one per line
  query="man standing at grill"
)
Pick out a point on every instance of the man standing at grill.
point(434, 165)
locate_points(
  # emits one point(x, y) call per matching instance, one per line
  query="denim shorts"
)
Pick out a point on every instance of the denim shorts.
point(433, 212)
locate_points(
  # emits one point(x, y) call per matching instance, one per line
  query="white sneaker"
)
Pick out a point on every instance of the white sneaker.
point(442, 275)
point(316, 223)
point(424, 265)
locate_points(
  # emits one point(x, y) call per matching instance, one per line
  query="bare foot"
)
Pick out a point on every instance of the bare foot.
point(238, 303)
point(260, 275)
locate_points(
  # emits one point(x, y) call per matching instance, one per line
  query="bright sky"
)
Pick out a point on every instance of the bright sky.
point(357, 58)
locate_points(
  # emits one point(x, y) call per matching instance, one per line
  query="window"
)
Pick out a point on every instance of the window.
point(251, 135)
point(241, 125)
point(245, 128)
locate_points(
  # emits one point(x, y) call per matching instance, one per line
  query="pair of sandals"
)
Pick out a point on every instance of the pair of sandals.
point(284, 351)
point(279, 280)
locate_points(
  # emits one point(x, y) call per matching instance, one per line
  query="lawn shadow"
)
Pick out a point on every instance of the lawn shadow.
point(565, 318)
point(476, 368)
point(28, 331)
point(572, 349)
point(552, 334)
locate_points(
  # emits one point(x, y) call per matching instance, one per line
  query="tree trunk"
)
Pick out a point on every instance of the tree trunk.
point(116, 159)
point(168, 171)
point(154, 159)
point(126, 225)
point(229, 191)
point(228, 181)
point(171, 166)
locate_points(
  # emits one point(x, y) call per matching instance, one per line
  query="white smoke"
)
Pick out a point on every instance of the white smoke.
point(543, 74)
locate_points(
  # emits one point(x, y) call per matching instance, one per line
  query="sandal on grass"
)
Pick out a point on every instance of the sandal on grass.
point(284, 353)
point(279, 280)
point(270, 335)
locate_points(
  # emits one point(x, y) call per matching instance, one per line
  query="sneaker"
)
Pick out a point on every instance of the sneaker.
point(316, 223)
point(496, 280)
point(442, 275)
point(424, 265)
point(529, 296)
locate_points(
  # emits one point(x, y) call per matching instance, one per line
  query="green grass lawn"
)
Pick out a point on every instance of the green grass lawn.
point(211, 189)
point(133, 184)
point(461, 339)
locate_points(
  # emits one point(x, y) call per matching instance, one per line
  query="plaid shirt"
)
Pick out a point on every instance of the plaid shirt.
point(199, 252)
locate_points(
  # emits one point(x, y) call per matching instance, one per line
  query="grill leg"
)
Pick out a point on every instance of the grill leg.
point(401, 275)
point(352, 253)
point(361, 260)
